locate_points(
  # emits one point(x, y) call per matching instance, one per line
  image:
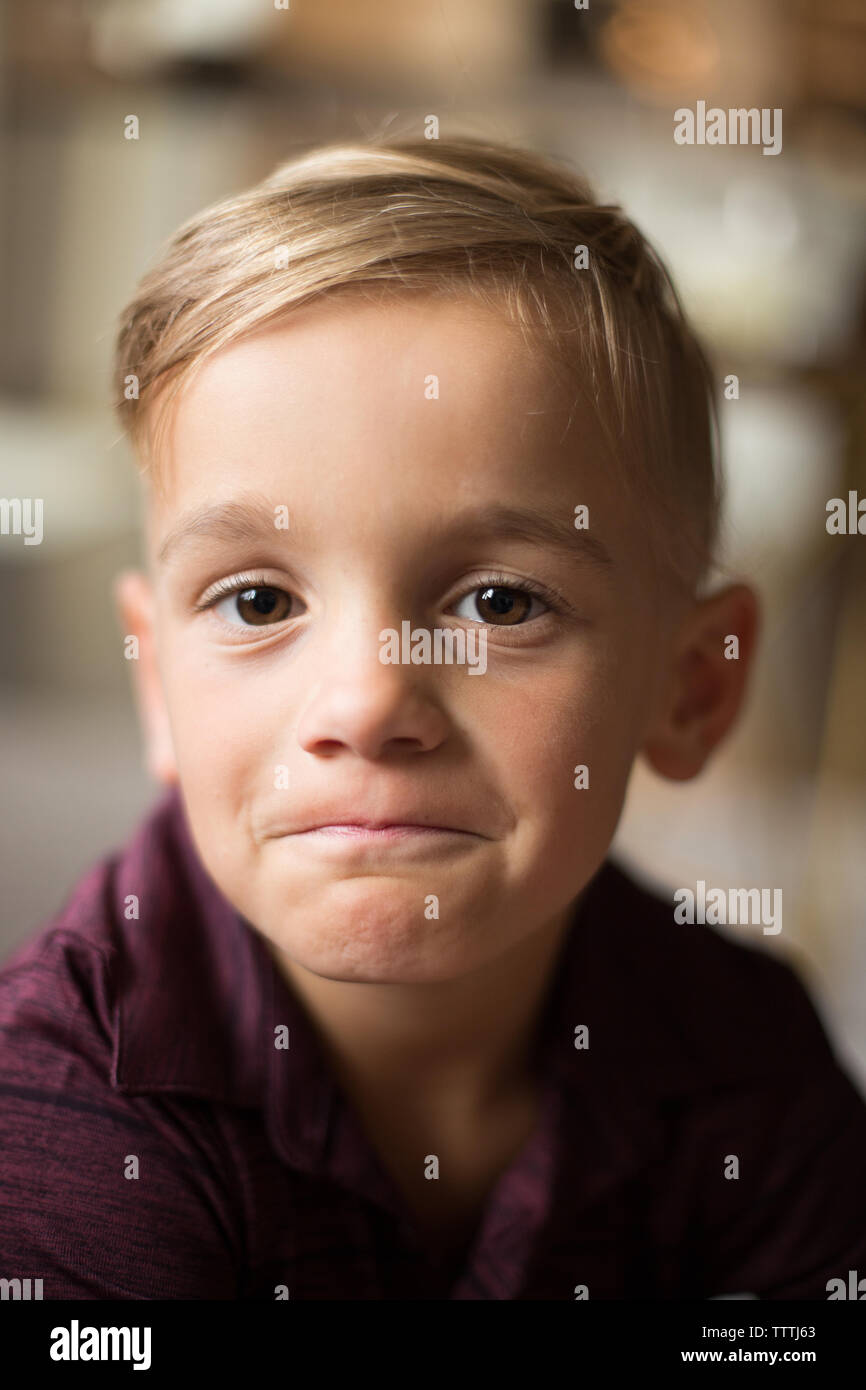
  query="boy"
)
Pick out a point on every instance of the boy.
point(364, 1010)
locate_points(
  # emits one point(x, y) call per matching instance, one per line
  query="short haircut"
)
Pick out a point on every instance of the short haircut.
point(458, 217)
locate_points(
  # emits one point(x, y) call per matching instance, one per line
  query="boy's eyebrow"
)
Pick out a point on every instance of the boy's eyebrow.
point(250, 521)
point(537, 527)
point(243, 520)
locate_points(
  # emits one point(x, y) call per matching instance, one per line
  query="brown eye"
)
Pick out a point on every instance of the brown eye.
point(258, 607)
point(497, 605)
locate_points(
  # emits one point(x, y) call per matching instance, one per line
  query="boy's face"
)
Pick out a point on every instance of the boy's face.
point(275, 710)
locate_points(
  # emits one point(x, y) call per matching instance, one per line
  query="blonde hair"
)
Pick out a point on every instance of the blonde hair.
point(453, 217)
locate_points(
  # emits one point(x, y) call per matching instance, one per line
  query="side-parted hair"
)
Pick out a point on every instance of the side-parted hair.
point(459, 217)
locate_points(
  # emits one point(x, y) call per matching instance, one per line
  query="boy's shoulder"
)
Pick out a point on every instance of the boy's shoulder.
point(58, 983)
point(108, 1022)
point(146, 973)
point(683, 1005)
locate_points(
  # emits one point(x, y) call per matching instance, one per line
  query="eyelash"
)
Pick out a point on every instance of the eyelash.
point(235, 585)
point(550, 596)
point(554, 600)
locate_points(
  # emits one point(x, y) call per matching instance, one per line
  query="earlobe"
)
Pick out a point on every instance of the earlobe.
point(134, 602)
point(711, 660)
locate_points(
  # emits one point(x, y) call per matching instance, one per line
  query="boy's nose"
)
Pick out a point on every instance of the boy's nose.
point(358, 702)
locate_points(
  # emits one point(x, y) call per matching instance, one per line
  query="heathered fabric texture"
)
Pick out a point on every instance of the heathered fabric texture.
point(153, 1039)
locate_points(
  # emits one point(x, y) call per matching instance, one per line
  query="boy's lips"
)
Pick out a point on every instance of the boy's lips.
point(361, 826)
point(358, 839)
point(361, 823)
point(380, 834)
point(398, 824)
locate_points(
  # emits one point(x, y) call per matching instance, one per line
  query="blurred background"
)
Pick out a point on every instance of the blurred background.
point(768, 252)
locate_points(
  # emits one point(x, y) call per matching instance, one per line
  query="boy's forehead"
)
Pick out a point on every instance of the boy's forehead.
point(377, 406)
point(396, 363)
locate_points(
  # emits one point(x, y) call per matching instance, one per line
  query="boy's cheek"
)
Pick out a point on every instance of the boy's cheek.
point(220, 756)
point(553, 746)
point(562, 736)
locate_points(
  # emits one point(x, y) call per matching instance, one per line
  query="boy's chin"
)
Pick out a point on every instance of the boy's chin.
point(381, 932)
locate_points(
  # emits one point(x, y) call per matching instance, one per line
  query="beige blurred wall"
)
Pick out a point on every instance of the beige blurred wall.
point(84, 212)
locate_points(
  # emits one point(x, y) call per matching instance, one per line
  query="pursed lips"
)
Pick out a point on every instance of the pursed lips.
point(361, 838)
point(373, 828)
point(384, 829)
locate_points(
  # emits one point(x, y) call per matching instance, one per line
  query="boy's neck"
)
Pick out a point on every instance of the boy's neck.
point(458, 1046)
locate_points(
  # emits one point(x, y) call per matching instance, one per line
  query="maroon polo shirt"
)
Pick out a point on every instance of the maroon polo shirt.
point(155, 1144)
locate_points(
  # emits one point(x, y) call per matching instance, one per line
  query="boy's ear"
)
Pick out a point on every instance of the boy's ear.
point(134, 601)
point(711, 660)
